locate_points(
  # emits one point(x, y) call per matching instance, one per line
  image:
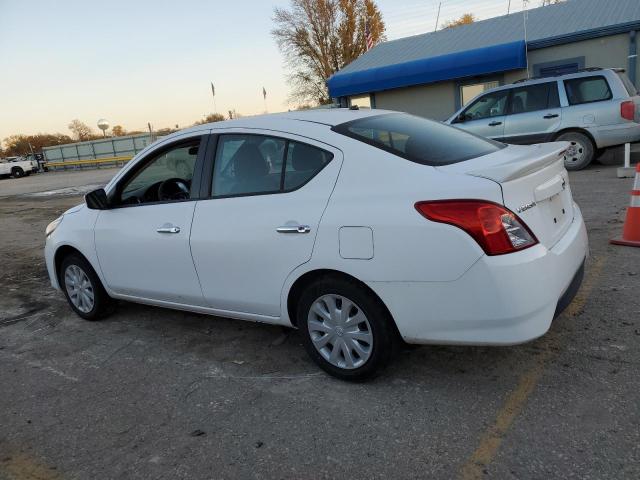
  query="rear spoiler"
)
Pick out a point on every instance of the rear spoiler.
point(546, 154)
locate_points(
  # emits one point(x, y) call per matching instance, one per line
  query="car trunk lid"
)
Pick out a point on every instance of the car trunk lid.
point(534, 183)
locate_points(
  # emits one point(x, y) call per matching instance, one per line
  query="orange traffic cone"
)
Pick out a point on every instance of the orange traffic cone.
point(631, 231)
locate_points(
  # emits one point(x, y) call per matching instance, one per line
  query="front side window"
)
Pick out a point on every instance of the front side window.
point(490, 105)
point(258, 164)
point(587, 90)
point(418, 139)
point(534, 97)
point(165, 177)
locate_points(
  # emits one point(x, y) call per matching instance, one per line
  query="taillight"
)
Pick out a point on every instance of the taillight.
point(628, 110)
point(496, 229)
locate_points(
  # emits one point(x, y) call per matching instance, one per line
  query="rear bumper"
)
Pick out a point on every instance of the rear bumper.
point(501, 300)
point(610, 135)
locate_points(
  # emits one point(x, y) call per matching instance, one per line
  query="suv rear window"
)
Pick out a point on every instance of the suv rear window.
point(587, 90)
point(418, 139)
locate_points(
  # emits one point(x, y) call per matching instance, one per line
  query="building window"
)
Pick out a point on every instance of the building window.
point(362, 101)
point(469, 92)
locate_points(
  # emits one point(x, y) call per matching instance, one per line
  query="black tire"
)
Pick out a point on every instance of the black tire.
point(17, 172)
point(102, 304)
point(581, 152)
point(385, 337)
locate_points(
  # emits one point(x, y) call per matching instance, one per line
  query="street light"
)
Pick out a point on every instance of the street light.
point(103, 125)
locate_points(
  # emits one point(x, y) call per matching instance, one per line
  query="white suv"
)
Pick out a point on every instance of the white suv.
point(593, 109)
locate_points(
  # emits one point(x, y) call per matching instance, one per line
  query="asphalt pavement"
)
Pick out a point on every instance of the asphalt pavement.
point(153, 393)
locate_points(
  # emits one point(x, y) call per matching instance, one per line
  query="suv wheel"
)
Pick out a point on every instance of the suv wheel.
point(83, 289)
point(581, 151)
point(17, 172)
point(345, 329)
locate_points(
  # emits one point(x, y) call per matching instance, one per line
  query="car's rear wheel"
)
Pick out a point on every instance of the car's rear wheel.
point(17, 172)
point(345, 329)
point(83, 289)
point(581, 151)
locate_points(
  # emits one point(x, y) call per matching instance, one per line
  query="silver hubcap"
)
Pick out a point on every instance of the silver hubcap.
point(575, 152)
point(340, 331)
point(79, 288)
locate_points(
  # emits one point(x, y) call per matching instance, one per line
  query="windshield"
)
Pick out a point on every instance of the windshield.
point(418, 139)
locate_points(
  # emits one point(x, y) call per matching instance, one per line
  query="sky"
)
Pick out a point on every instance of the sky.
point(139, 61)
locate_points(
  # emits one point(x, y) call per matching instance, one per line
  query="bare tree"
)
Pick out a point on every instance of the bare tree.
point(212, 117)
point(319, 37)
point(23, 144)
point(544, 3)
point(118, 131)
point(81, 131)
point(465, 19)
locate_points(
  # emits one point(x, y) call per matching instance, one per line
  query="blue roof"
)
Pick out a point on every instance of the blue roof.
point(408, 61)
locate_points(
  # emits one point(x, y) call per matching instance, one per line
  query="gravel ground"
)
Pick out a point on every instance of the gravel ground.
point(152, 393)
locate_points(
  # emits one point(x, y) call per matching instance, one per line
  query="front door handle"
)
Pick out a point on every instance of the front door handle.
point(551, 115)
point(294, 229)
point(168, 229)
point(495, 124)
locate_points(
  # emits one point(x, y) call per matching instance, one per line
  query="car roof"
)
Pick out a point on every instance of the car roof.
point(587, 72)
point(293, 120)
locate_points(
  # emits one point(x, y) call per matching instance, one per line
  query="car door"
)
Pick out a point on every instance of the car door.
point(485, 116)
point(142, 241)
point(260, 222)
point(534, 114)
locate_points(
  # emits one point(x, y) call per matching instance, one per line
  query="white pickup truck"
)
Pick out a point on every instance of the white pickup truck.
point(17, 167)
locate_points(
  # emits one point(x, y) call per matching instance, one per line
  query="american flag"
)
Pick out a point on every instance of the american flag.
point(367, 35)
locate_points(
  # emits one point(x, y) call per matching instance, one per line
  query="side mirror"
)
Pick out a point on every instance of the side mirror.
point(97, 199)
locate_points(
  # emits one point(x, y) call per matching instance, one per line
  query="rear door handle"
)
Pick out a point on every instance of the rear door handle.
point(495, 124)
point(551, 115)
point(294, 229)
point(167, 228)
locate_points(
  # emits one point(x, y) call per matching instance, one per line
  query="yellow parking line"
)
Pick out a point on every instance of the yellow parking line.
point(492, 438)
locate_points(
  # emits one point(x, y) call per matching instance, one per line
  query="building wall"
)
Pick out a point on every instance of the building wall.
point(439, 100)
point(433, 101)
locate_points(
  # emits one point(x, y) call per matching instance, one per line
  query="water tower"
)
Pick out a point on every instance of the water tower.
point(103, 125)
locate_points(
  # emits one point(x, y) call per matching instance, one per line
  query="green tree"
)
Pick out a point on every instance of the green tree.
point(319, 37)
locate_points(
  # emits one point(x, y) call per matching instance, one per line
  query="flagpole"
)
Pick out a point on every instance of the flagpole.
point(524, 20)
point(213, 94)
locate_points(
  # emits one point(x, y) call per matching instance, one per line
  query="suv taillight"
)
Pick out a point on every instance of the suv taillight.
point(628, 110)
point(496, 229)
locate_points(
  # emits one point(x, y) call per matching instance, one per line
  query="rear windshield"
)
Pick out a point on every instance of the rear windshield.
point(631, 88)
point(418, 139)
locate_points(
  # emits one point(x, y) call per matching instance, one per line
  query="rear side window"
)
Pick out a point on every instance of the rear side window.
point(630, 87)
point(534, 97)
point(302, 163)
point(418, 139)
point(587, 90)
point(259, 164)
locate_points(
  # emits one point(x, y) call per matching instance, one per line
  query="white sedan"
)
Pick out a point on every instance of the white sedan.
point(362, 229)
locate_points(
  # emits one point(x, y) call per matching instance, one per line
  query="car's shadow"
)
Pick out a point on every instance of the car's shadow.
point(239, 348)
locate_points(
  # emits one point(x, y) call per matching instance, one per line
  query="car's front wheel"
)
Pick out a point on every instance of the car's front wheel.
point(581, 150)
point(83, 289)
point(17, 172)
point(345, 329)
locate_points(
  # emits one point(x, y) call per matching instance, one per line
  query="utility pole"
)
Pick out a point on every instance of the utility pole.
point(438, 16)
point(508, 7)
